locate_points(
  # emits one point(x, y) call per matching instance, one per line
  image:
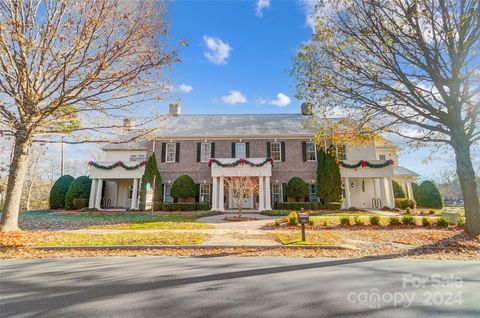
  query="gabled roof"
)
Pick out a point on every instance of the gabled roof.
point(399, 171)
point(257, 125)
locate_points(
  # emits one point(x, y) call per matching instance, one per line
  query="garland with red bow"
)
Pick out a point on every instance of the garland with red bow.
point(116, 164)
point(365, 163)
point(240, 162)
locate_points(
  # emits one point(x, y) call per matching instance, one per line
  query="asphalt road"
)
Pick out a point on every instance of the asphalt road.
point(238, 287)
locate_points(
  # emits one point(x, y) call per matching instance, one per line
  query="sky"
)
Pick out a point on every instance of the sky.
point(238, 59)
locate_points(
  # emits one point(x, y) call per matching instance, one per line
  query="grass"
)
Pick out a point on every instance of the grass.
point(165, 238)
point(313, 238)
point(346, 214)
point(168, 225)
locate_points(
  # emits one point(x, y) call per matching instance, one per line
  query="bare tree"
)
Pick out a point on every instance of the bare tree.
point(408, 67)
point(242, 188)
point(77, 69)
point(32, 177)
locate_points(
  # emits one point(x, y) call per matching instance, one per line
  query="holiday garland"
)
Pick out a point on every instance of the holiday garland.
point(117, 164)
point(365, 163)
point(239, 162)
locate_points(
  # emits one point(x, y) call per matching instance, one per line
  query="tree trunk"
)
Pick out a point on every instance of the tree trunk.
point(16, 178)
point(29, 194)
point(466, 176)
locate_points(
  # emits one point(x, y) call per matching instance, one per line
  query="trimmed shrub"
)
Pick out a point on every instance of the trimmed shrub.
point(297, 188)
point(461, 221)
point(292, 218)
point(352, 208)
point(78, 189)
point(408, 220)
point(394, 221)
point(395, 210)
point(375, 220)
point(275, 212)
point(202, 206)
point(405, 203)
point(398, 191)
point(88, 210)
point(172, 207)
point(183, 187)
point(408, 211)
point(431, 211)
point(151, 173)
point(426, 222)
point(358, 221)
point(79, 204)
point(345, 220)
point(443, 222)
point(58, 191)
point(385, 208)
point(334, 206)
point(298, 205)
point(429, 196)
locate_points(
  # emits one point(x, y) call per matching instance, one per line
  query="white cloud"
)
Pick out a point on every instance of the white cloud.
point(282, 100)
point(261, 4)
point(217, 51)
point(235, 97)
point(185, 88)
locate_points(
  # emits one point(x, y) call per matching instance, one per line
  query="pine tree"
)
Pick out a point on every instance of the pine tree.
point(151, 171)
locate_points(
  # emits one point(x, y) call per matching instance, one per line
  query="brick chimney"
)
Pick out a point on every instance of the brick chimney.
point(307, 108)
point(174, 109)
point(128, 123)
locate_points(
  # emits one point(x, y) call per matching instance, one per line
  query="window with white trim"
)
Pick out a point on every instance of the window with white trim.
point(341, 152)
point(276, 151)
point(382, 157)
point(240, 150)
point(205, 193)
point(171, 152)
point(205, 152)
point(311, 151)
point(313, 193)
point(167, 198)
point(277, 193)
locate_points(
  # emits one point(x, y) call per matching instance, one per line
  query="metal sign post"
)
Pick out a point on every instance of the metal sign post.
point(303, 218)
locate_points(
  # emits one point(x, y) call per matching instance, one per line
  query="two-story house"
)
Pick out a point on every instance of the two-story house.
point(188, 143)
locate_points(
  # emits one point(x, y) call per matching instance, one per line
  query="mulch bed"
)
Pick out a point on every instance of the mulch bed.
point(239, 219)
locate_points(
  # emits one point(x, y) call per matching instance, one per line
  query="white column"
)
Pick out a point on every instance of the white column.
point(261, 194)
point(221, 195)
point(384, 192)
point(98, 196)
point(134, 194)
point(215, 194)
point(93, 190)
point(392, 196)
point(348, 200)
point(410, 190)
point(268, 204)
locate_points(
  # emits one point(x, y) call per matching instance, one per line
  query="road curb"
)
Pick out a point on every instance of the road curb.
point(186, 247)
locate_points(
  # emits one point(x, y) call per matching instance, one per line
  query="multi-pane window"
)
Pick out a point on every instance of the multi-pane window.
point(382, 157)
point(311, 151)
point(277, 193)
point(276, 151)
point(205, 193)
point(341, 152)
point(205, 152)
point(167, 198)
point(171, 149)
point(240, 150)
point(313, 193)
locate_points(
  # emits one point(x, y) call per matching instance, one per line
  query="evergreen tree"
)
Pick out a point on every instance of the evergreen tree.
point(429, 196)
point(151, 172)
point(333, 175)
point(322, 186)
point(78, 189)
point(58, 191)
point(398, 192)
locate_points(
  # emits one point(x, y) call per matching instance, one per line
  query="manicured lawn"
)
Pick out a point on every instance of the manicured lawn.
point(163, 238)
point(313, 238)
point(169, 225)
point(384, 220)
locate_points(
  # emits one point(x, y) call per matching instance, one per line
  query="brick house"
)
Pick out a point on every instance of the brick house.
point(188, 142)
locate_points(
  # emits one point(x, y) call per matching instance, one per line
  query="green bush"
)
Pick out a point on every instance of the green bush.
point(398, 191)
point(88, 210)
point(375, 220)
point(183, 187)
point(292, 218)
point(408, 220)
point(386, 208)
point(298, 205)
point(415, 190)
point(408, 211)
point(358, 221)
point(432, 211)
point(78, 189)
point(297, 188)
point(172, 207)
point(352, 208)
point(329, 184)
point(276, 212)
point(405, 203)
point(443, 222)
point(58, 191)
point(80, 203)
point(429, 196)
point(334, 206)
point(426, 222)
point(394, 221)
point(461, 221)
point(345, 220)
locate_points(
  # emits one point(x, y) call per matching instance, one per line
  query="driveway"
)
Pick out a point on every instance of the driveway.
point(238, 287)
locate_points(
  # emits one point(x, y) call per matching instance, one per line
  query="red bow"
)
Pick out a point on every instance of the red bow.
point(363, 163)
point(210, 162)
point(90, 163)
point(391, 162)
point(242, 161)
point(119, 163)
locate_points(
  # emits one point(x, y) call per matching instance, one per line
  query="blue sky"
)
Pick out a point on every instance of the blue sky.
point(238, 60)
